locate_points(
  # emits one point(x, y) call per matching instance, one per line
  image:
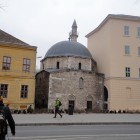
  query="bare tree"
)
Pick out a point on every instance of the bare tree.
point(1, 6)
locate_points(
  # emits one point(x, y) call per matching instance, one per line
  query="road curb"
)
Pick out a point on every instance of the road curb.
point(79, 123)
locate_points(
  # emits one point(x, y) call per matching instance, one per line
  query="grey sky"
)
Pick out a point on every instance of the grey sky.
point(43, 23)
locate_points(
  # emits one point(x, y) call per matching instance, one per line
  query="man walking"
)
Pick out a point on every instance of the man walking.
point(57, 108)
point(5, 112)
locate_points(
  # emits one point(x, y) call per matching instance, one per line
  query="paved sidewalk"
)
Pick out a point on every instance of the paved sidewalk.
point(75, 119)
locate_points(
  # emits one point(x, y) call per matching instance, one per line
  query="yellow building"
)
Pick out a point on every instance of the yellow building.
point(115, 46)
point(17, 71)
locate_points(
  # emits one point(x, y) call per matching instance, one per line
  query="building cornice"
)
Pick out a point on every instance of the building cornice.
point(17, 77)
point(112, 16)
point(122, 78)
point(68, 70)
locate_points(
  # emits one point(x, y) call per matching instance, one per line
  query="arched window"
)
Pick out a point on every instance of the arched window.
point(81, 83)
point(57, 65)
point(105, 105)
point(79, 67)
point(105, 94)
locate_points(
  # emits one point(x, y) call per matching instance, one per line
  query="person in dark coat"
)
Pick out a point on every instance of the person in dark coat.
point(8, 116)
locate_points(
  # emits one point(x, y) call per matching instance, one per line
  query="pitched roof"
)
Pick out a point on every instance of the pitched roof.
point(112, 16)
point(6, 38)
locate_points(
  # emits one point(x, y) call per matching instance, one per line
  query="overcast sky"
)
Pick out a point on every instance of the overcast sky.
point(43, 23)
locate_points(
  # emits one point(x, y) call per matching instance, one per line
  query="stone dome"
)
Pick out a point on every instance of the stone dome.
point(68, 48)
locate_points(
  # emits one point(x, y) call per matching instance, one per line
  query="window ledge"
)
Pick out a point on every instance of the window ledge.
point(126, 36)
point(127, 55)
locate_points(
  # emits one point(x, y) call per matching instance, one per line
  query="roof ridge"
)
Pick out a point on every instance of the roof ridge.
point(7, 38)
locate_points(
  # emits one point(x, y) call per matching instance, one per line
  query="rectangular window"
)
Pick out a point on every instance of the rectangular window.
point(6, 63)
point(3, 90)
point(139, 72)
point(138, 31)
point(138, 51)
point(24, 91)
point(26, 65)
point(127, 50)
point(57, 65)
point(79, 66)
point(126, 30)
point(127, 72)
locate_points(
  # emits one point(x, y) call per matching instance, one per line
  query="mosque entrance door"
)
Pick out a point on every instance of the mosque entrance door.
point(89, 105)
point(71, 103)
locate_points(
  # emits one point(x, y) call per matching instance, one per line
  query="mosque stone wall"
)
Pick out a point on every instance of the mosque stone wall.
point(73, 75)
point(68, 63)
point(65, 83)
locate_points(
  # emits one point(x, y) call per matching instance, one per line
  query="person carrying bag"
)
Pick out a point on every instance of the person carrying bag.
point(5, 116)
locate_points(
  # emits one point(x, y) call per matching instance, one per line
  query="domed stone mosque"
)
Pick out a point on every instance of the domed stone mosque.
point(69, 72)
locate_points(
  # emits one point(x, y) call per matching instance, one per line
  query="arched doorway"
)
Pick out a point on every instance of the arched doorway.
point(105, 107)
point(71, 101)
point(89, 103)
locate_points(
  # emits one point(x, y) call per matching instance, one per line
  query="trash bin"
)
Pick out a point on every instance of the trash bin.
point(70, 110)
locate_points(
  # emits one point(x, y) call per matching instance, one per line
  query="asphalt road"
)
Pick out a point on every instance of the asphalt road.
point(77, 132)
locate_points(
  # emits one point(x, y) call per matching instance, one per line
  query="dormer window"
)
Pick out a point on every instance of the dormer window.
point(57, 65)
point(79, 67)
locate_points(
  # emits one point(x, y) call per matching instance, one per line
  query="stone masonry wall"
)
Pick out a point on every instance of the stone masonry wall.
point(66, 83)
point(67, 63)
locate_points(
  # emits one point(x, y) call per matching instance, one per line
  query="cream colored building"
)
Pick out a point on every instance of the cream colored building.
point(115, 46)
point(17, 71)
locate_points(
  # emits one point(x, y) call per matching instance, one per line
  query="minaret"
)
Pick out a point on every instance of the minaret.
point(73, 35)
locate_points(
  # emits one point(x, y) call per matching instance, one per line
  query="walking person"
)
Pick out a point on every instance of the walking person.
point(57, 108)
point(7, 117)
